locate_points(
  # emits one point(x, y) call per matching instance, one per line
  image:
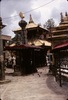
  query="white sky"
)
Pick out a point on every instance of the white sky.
point(43, 10)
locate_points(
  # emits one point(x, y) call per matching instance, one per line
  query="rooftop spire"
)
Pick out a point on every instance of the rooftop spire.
point(61, 17)
point(66, 17)
point(31, 20)
point(66, 14)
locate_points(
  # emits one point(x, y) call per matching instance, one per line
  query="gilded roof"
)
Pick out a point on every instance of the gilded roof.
point(31, 25)
point(39, 42)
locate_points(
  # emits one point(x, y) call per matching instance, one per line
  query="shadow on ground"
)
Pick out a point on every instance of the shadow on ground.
point(54, 86)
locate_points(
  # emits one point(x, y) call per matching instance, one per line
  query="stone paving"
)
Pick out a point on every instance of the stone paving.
point(33, 87)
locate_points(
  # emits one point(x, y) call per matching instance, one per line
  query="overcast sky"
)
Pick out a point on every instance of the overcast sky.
point(41, 11)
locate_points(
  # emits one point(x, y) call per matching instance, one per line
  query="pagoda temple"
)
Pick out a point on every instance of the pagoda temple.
point(35, 36)
point(60, 33)
point(59, 39)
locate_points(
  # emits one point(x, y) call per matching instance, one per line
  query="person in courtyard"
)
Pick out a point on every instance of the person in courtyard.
point(49, 63)
point(13, 61)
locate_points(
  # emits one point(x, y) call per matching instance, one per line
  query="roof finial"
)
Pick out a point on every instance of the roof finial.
point(21, 15)
point(61, 17)
point(66, 14)
point(31, 20)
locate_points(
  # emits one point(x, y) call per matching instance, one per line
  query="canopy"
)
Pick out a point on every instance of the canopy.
point(18, 47)
point(63, 45)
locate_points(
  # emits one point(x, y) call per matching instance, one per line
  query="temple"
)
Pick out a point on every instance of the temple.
point(59, 41)
point(60, 33)
point(29, 47)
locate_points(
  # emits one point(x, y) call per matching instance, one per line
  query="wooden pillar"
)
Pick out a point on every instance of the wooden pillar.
point(2, 70)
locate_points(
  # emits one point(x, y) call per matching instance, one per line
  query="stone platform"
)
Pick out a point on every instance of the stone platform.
point(38, 86)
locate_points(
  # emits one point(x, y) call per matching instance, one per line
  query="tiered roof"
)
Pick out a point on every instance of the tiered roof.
point(59, 33)
point(63, 26)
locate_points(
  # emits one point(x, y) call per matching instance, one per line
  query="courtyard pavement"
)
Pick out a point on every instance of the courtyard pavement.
point(38, 86)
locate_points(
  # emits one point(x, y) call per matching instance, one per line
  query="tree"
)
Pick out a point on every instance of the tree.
point(49, 24)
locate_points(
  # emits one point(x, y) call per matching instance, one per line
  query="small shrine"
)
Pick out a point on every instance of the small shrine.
point(29, 47)
point(35, 36)
point(25, 54)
